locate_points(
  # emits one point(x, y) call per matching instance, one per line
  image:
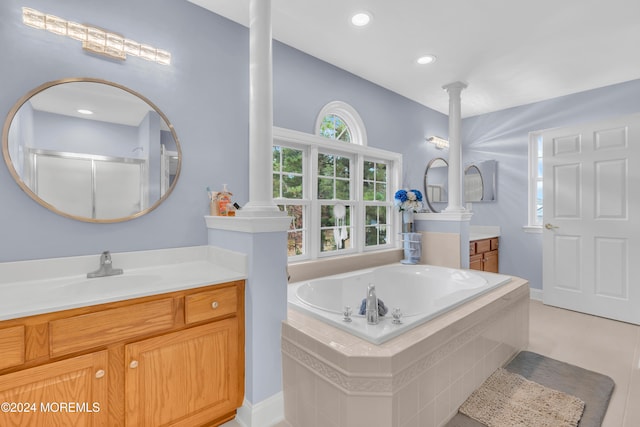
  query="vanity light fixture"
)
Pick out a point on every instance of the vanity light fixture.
point(440, 143)
point(94, 39)
point(85, 111)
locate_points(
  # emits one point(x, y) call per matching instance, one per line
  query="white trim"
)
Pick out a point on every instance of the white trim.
point(444, 216)
point(262, 414)
point(351, 117)
point(535, 294)
point(532, 229)
point(248, 224)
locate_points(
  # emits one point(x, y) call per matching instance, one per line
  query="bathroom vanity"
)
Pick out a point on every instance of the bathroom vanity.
point(483, 254)
point(167, 358)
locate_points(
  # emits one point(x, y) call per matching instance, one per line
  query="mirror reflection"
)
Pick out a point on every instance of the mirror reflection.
point(436, 179)
point(473, 185)
point(91, 150)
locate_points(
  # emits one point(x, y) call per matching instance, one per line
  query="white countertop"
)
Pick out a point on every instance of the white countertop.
point(35, 287)
point(481, 232)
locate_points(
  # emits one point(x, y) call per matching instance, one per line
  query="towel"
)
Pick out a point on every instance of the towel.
point(382, 309)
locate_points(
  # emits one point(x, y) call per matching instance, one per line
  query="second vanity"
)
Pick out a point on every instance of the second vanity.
point(483, 248)
point(161, 344)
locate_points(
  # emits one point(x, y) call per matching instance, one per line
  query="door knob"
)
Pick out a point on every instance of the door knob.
point(550, 226)
point(133, 364)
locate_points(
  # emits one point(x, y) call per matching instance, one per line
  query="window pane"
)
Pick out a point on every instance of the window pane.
point(295, 243)
point(325, 188)
point(371, 236)
point(540, 168)
point(292, 186)
point(369, 171)
point(381, 172)
point(371, 215)
point(539, 205)
point(368, 190)
point(326, 216)
point(276, 158)
point(342, 189)
point(276, 185)
point(335, 233)
point(342, 167)
point(291, 160)
point(326, 165)
point(381, 192)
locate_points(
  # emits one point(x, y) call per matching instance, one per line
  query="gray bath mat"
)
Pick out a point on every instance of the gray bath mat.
point(591, 387)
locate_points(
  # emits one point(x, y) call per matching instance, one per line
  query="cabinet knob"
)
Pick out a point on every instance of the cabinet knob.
point(214, 305)
point(100, 373)
point(133, 364)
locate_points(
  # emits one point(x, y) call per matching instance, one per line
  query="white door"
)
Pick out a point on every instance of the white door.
point(591, 241)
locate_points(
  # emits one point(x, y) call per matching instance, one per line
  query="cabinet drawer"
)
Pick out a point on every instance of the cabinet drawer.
point(11, 346)
point(483, 246)
point(211, 304)
point(494, 244)
point(472, 248)
point(103, 327)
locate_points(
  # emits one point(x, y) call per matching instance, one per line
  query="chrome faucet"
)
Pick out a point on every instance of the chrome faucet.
point(371, 310)
point(106, 267)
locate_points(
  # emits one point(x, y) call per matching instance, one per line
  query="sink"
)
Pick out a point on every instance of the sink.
point(109, 284)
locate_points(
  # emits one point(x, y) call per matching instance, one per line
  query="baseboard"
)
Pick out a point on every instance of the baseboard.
point(266, 413)
point(535, 294)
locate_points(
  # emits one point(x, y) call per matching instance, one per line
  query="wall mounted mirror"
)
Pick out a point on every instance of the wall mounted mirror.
point(480, 181)
point(436, 179)
point(91, 150)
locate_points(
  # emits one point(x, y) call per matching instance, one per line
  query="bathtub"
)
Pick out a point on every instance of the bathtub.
point(420, 292)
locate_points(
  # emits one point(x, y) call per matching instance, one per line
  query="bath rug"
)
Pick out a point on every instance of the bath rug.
point(593, 388)
point(506, 399)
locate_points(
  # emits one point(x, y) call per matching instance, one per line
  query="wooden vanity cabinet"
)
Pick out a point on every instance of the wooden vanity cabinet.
point(175, 359)
point(483, 255)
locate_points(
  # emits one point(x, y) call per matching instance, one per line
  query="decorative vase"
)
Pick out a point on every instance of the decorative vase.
point(407, 221)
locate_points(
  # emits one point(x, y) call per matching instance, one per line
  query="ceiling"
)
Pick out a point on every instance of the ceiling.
point(509, 52)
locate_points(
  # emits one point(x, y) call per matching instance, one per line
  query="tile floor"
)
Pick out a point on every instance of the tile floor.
point(602, 345)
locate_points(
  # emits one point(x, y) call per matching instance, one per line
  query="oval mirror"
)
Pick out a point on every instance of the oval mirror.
point(473, 184)
point(91, 150)
point(436, 179)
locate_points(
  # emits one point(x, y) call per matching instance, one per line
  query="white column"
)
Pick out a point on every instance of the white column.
point(455, 151)
point(260, 112)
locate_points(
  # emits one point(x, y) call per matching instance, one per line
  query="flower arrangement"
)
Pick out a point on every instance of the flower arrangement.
point(408, 200)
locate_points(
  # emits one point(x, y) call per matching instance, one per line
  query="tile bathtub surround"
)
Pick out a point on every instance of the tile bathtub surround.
point(334, 379)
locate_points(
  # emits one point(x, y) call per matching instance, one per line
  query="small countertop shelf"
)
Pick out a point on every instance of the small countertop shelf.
point(43, 286)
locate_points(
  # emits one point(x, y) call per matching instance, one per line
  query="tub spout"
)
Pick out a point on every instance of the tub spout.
point(371, 305)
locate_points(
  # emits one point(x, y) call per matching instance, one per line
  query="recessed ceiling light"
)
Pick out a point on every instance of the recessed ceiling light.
point(426, 59)
point(82, 111)
point(361, 19)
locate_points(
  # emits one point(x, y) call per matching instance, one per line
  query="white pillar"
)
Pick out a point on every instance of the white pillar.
point(260, 112)
point(455, 151)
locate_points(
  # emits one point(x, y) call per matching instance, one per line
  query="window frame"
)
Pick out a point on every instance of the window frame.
point(351, 118)
point(312, 145)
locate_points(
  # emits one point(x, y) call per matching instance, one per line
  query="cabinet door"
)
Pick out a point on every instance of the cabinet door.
point(491, 261)
point(475, 262)
point(185, 378)
point(71, 392)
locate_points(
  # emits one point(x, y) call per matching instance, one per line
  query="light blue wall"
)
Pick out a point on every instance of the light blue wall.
point(504, 136)
point(205, 94)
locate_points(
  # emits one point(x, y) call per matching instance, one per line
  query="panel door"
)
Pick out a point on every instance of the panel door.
point(592, 218)
point(184, 378)
point(71, 392)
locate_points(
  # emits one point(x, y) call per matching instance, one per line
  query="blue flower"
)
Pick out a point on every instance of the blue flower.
point(401, 195)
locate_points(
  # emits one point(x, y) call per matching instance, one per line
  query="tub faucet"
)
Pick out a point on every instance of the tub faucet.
point(371, 310)
point(106, 267)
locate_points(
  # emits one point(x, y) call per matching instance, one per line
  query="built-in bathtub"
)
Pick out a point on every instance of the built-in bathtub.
point(419, 292)
point(332, 377)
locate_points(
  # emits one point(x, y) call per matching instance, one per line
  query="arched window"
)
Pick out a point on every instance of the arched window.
point(340, 121)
